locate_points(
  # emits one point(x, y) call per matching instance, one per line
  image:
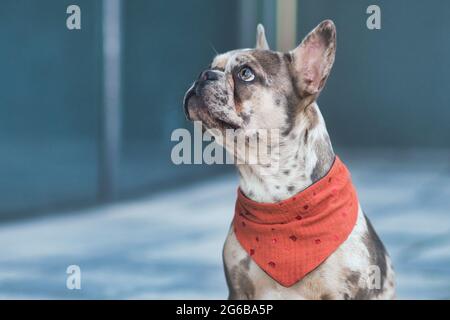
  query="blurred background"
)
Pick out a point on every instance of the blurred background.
point(86, 117)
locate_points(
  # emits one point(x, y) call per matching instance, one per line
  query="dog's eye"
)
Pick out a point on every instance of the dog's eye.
point(246, 74)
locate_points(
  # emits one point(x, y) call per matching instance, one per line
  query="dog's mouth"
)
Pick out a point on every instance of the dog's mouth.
point(187, 96)
point(196, 110)
point(227, 125)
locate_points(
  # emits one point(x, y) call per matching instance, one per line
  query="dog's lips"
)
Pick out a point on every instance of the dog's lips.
point(227, 125)
point(219, 122)
point(187, 96)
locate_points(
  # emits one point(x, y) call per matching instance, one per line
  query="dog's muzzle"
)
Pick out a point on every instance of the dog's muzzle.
point(195, 89)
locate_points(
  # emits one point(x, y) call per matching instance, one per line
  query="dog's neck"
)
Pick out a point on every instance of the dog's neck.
point(305, 155)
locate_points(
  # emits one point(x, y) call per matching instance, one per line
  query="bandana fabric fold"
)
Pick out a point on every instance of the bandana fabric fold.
point(289, 239)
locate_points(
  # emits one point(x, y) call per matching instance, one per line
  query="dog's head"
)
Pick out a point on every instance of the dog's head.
point(259, 88)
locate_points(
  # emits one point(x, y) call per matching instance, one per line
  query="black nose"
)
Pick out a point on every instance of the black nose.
point(208, 75)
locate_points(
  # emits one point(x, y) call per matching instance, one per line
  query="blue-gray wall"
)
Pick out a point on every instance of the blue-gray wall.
point(51, 96)
point(388, 89)
point(166, 45)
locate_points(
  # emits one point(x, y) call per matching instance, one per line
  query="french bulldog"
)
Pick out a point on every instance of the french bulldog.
point(256, 88)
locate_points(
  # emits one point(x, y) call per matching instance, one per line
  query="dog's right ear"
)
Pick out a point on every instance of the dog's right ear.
point(261, 41)
point(313, 58)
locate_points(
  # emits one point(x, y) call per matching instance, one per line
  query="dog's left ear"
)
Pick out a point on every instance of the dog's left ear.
point(261, 41)
point(313, 58)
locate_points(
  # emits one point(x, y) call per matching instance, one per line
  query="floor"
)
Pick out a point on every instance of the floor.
point(169, 245)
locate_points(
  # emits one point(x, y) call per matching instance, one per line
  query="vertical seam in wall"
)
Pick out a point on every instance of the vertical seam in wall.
point(112, 98)
point(286, 25)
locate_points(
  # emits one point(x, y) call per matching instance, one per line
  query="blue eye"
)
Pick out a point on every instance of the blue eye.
point(246, 74)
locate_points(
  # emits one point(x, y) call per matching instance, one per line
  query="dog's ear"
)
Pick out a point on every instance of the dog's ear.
point(313, 58)
point(261, 41)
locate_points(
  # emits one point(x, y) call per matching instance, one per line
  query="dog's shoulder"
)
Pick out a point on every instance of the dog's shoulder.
point(361, 267)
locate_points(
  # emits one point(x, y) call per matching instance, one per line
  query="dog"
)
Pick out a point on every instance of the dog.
point(258, 88)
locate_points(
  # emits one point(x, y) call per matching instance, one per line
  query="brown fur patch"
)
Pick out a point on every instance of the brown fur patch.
point(269, 61)
point(312, 116)
point(376, 250)
point(326, 296)
point(325, 159)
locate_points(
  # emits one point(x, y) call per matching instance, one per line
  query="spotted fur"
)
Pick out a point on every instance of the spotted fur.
point(283, 96)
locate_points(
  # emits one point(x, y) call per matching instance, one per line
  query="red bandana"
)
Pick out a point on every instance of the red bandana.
point(291, 238)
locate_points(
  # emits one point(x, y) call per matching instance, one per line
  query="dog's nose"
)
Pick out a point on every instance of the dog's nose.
point(208, 75)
